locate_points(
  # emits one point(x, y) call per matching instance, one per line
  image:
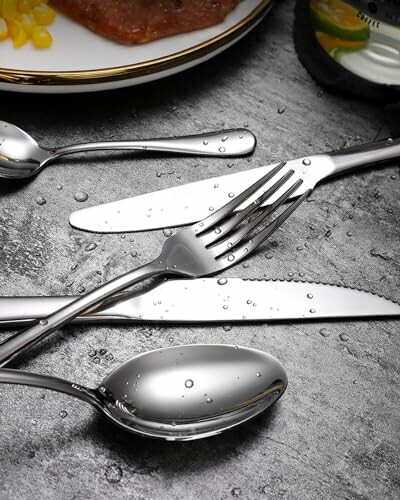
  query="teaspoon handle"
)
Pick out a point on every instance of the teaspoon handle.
point(225, 143)
point(18, 377)
point(20, 342)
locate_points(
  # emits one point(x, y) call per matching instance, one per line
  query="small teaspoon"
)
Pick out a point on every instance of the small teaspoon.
point(22, 157)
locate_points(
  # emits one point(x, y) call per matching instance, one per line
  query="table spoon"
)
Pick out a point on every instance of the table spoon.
point(22, 157)
point(179, 393)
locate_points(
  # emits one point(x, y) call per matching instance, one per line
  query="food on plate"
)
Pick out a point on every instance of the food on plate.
point(141, 21)
point(24, 20)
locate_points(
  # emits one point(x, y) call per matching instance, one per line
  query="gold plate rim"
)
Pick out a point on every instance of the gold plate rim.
point(153, 66)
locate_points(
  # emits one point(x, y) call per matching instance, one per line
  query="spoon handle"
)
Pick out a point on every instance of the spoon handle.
point(18, 343)
point(225, 143)
point(18, 377)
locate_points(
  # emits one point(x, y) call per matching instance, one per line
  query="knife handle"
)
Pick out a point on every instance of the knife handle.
point(225, 143)
point(365, 155)
point(20, 342)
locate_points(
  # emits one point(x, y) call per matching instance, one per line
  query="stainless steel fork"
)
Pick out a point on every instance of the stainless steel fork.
point(209, 246)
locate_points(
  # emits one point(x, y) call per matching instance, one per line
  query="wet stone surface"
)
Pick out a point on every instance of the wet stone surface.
point(336, 431)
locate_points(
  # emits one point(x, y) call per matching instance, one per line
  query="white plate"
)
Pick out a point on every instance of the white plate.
point(80, 61)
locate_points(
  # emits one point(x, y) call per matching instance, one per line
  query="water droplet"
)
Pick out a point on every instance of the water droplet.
point(41, 201)
point(59, 187)
point(231, 195)
point(306, 162)
point(201, 224)
point(222, 281)
point(229, 245)
point(231, 258)
point(281, 109)
point(189, 383)
point(205, 143)
point(218, 230)
point(268, 256)
point(43, 322)
point(63, 414)
point(310, 296)
point(236, 492)
point(216, 186)
point(324, 332)
point(81, 289)
point(249, 301)
point(222, 149)
point(209, 400)
point(90, 247)
point(389, 140)
point(225, 307)
point(246, 124)
point(312, 311)
point(227, 328)
point(344, 337)
point(210, 209)
point(258, 374)
point(81, 196)
point(113, 474)
point(96, 360)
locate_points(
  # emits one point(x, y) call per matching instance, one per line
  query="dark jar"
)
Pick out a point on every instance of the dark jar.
point(352, 45)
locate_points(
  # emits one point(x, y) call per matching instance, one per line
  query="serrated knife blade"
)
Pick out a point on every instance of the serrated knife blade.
point(216, 300)
point(190, 203)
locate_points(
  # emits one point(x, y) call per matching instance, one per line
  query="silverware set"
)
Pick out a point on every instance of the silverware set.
point(180, 393)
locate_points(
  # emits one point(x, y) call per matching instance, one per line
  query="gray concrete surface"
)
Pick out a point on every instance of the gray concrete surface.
point(335, 433)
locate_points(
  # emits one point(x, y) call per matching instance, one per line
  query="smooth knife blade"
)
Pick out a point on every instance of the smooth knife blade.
point(215, 300)
point(191, 202)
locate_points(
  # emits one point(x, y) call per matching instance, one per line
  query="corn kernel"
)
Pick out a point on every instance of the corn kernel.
point(44, 14)
point(24, 6)
point(14, 27)
point(41, 38)
point(20, 39)
point(9, 9)
point(27, 22)
point(3, 29)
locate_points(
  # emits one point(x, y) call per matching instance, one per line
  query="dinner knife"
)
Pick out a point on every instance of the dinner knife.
point(214, 300)
point(189, 203)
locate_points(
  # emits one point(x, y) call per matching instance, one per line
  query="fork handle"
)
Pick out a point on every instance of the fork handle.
point(365, 155)
point(20, 342)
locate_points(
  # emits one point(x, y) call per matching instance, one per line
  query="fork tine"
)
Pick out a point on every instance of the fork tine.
point(229, 207)
point(249, 246)
point(233, 221)
point(242, 232)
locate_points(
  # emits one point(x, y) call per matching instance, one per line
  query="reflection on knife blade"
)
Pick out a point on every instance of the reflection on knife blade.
point(216, 300)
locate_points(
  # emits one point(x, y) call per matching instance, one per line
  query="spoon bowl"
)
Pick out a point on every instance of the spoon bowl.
point(179, 393)
point(22, 157)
